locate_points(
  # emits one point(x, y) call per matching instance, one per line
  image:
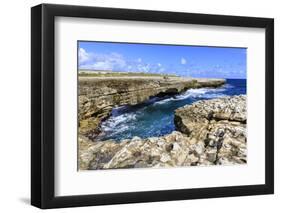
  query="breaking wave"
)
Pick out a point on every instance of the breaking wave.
point(206, 93)
point(156, 116)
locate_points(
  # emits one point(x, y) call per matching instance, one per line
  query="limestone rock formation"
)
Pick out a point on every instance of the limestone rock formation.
point(219, 124)
point(99, 95)
point(208, 132)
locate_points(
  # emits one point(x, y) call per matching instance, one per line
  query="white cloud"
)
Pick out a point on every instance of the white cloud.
point(100, 65)
point(116, 59)
point(83, 56)
point(138, 66)
point(115, 62)
point(143, 67)
point(95, 61)
point(183, 61)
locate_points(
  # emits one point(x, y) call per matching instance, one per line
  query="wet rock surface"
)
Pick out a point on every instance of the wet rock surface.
point(210, 132)
point(98, 96)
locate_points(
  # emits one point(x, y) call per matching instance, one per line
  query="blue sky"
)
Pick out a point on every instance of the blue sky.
point(193, 61)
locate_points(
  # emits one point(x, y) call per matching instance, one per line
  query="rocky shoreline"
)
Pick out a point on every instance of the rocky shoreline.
point(209, 132)
point(99, 95)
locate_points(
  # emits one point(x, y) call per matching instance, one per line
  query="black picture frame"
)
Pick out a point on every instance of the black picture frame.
point(43, 111)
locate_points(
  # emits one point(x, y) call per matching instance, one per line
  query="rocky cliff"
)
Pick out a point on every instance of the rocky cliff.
point(208, 132)
point(219, 125)
point(98, 95)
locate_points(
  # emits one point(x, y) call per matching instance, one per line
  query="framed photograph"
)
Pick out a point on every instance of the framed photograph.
point(139, 106)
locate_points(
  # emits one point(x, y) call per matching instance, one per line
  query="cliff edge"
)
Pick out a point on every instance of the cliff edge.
point(99, 95)
point(209, 132)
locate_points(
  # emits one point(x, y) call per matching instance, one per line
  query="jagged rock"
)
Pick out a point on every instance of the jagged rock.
point(220, 124)
point(201, 139)
point(99, 95)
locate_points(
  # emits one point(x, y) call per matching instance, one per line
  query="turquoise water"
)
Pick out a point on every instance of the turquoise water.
point(156, 116)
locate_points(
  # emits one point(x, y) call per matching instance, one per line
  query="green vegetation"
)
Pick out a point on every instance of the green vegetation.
point(87, 73)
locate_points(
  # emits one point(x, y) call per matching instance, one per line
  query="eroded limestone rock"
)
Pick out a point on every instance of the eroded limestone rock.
point(220, 124)
point(208, 132)
point(98, 96)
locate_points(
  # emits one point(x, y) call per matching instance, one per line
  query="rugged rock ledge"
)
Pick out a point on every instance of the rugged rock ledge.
point(98, 95)
point(208, 133)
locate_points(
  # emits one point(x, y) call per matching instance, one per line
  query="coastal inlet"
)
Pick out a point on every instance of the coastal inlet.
point(155, 117)
point(120, 116)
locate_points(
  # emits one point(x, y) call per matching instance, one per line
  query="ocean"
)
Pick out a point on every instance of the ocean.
point(155, 117)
